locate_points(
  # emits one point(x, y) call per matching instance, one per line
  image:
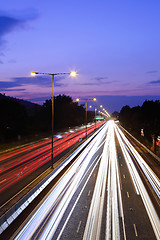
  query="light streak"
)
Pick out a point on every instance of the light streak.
point(152, 178)
point(45, 221)
point(108, 174)
point(52, 209)
point(141, 190)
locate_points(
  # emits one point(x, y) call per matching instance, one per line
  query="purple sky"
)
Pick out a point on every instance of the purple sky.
point(114, 45)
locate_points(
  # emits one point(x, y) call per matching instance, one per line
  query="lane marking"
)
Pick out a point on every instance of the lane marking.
point(135, 229)
point(92, 170)
point(79, 226)
point(124, 176)
point(89, 192)
point(128, 194)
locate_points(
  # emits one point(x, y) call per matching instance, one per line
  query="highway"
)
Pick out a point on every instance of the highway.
point(19, 163)
point(109, 192)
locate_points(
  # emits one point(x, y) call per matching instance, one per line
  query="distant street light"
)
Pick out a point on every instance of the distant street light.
point(73, 74)
point(89, 99)
point(106, 112)
point(95, 115)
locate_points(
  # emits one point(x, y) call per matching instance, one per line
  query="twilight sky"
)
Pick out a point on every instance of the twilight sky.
point(114, 45)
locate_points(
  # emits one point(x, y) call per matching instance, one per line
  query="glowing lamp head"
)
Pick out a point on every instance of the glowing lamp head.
point(77, 100)
point(101, 106)
point(90, 106)
point(73, 74)
point(94, 99)
point(33, 73)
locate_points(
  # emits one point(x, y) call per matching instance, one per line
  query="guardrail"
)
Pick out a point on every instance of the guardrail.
point(16, 210)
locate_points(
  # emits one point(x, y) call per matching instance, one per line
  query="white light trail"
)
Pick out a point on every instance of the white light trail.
point(108, 174)
point(44, 222)
point(141, 190)
point(152, 178)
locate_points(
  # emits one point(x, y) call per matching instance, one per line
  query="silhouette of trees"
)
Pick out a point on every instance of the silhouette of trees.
point(146, 117)
point(115, 114)
point(19, 118)
point(13, 119)
point(66, 112)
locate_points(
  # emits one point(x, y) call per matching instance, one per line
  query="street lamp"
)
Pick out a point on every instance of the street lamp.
point(106, 112)
point(95, 114)
point(89, 99)
point(95, 118)
point(73, 74)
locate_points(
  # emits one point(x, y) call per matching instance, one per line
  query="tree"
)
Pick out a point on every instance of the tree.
point(13, 119)
point(146, 117)
point(66, 112)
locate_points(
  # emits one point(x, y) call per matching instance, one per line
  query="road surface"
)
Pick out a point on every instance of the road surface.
point(109, 192)
point(19, 163)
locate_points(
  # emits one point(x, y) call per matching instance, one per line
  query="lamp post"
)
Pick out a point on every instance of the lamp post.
point(95, 114)
point(73, 74)
point(106, 112)
point(95, 118)
point(108, 115)
point(89, 99)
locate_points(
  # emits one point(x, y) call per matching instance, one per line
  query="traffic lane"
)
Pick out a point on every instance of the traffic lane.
point(20, 150)
point(17, 151)
point(36, 149)
point(153, 193)
point(36, 161)
point(11, 191)
point(31, 151)
point(76, 224)
point(137, 223)
point(150, 160)
point(74, 220)
point(146, 173)
point(58, 199)
point(10, 231)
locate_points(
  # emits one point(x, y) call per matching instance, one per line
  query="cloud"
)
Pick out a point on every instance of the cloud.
point(1, 62)
point(41, 81)
point(93, 83)
point(153, 71)
point(154, 82)
point(7, 24)
point(13, 90)
point(12, 61)
point(10, 21)
point(88, 84)
point(96, 81)
point(100, 78)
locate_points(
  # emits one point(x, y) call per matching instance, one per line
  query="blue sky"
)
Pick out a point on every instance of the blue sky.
point(114, 46)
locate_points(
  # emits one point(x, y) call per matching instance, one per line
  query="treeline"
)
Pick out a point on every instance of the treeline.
point(146, 117)
point(21, 118)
